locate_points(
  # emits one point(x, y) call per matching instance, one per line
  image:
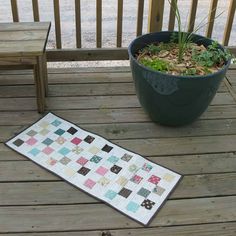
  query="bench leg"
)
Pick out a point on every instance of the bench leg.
point(45, 74)
point(39, 84)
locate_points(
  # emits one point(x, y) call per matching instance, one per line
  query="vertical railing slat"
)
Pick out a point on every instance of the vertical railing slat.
point(192, 16)
point(139, 28)
point(99, 23)
point(155, 15)
point(229, 22)
point(57, 23)
point(211, 18)
point(78, 23)
point(171, 25)
point(119, 23)
point(35, 6)
point(14, 9)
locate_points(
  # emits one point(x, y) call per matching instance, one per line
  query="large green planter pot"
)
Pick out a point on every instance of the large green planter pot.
point(169, 99)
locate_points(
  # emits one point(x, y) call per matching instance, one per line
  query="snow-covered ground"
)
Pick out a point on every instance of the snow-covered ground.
point(88, 17)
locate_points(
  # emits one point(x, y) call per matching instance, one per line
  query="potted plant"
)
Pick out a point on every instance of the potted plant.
point(176, 74)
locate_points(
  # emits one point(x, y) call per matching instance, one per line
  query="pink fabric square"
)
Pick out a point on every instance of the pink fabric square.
point(101, 170)
point(89, 183)
point(76, 141)
point(154, 179)
point(48, 150)
point(31, 141)
point(82, 161)
point(136, 179)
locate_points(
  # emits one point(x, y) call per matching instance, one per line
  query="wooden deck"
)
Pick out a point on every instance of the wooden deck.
point(35, 202)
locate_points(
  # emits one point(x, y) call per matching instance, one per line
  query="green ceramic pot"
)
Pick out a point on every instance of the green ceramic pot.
point(169, 99)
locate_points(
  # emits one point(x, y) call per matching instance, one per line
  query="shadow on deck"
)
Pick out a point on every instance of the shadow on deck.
point(103, 101)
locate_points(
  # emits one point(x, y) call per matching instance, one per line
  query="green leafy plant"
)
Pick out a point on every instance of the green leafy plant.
point(157, 64)
point(213, 56)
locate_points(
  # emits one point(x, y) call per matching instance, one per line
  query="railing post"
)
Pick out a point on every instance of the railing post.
point(35, 6)
point(211, 18)
point(155, 15)
point(57, 23)
point(229, 22)
point(192, 15)
point(14, 10)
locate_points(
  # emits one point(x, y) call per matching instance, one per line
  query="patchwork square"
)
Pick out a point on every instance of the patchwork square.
point(44, 124)
point(102, 170)
point(72, 130)
point(126, 157)
point(82, 161)
point(136, 179)
point(96, 159)
point(31, 133)
point(124, 192)
point(168, 177)
point(94, 150)
point(89, 183)
point(127, 181)
point(60, 140)
point(148, 204)
point(133, 168)
point(132, 206)
point(159, 190)
point(113, 159)
point(122, 181)
point(89, 139)
point(56, 123)
point(70, 172)
point(104, 181)
point(110, 194)
point(60, 132)
point(116, 169)
point(31, 141)
point(154, 179)
point(65, 160)
point(83, 171)
point(147, 167)
point(34, 151)
point(44, 132)
point(77, 150)
point(18, 142)
point(47, 150)
point(64, 151)
point(47, 141)
point(107, 148)
point(143, 192)
point(76, 141)
point(51, 162)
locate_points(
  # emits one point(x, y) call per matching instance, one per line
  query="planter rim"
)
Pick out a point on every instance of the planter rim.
point(176, 76)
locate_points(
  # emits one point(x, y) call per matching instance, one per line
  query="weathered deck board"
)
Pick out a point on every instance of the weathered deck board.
point(103, 100)
point(226, 229)
point(82, 217)
point(45, 193)
point(146, 130)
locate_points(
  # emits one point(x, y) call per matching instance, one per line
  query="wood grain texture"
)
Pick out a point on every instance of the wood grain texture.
point(82, 217)
point(59, 192)
point(226, 229)
point(103, 101)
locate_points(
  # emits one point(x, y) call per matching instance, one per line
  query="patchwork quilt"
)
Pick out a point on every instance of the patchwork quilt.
point(122, 179)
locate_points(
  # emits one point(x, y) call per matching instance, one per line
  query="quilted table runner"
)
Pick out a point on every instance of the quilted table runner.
point(122, 179)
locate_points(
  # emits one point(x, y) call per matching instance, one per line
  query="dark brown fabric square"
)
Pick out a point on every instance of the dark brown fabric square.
point(83, 171)
point(18, 142)
point(124, 192)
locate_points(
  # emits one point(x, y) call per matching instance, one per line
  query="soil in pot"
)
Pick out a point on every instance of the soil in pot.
point(196, 59)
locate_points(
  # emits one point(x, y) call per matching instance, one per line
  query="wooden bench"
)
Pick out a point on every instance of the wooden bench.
point(22, 46)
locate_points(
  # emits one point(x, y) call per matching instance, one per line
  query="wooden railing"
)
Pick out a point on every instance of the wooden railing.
point(155, 23)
